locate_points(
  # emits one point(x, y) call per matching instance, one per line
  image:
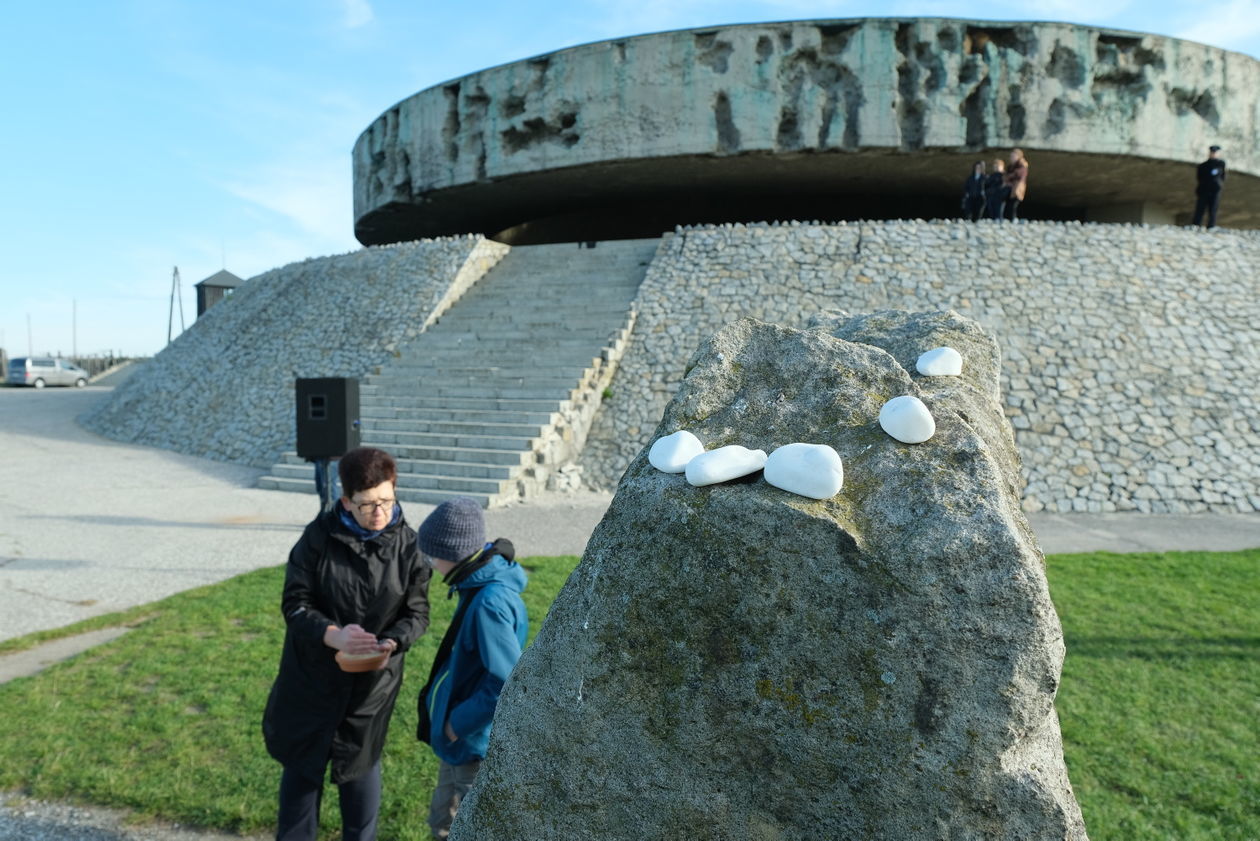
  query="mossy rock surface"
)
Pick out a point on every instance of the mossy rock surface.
point(735, 661)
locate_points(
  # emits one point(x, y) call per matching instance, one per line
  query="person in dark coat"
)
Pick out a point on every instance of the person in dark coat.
point(1211, 180)
point(973, 198)
point(481, 646)
point(355, 599)
point(995, 190)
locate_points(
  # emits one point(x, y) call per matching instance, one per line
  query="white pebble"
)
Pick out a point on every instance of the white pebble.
point(724, 464)
point(907, 419)
point(812, 470)
point(671, 453)
point(940, 362)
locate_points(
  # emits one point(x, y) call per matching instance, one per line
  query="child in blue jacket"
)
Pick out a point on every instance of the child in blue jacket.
point(477, 654)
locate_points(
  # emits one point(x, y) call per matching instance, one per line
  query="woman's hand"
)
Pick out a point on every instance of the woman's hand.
point(351, 639)
point(450, 734)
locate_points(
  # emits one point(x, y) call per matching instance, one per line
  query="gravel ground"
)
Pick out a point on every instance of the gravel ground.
point(23, 819)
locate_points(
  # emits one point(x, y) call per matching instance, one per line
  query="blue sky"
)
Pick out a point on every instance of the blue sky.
point(141, 135)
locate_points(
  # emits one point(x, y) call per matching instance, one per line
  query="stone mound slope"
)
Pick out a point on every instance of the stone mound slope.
point(736, 661)
point(496, 396)
point(224, 388)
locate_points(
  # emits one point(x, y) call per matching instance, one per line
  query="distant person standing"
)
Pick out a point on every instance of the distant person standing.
point(995, 190)
point(1016, 181)
point(1211, 177)
point(973, 200)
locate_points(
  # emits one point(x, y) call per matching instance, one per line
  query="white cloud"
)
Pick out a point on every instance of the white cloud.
point(357, 13)
point(1232, 25)
point(315, 196)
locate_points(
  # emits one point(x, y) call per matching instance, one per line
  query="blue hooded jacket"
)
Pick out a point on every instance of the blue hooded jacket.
point(466, 687)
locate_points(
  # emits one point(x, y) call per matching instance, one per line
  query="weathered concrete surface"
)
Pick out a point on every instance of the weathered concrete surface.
point(784, 120)
point(734, 661)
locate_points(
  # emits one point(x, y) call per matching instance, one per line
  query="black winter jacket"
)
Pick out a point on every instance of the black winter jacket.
point(316, 712)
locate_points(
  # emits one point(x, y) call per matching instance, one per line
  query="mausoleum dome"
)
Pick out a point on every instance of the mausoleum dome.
point(825, 119)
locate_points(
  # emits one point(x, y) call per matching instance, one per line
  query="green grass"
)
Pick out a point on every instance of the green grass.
point(166, 720)
point(1159, 702)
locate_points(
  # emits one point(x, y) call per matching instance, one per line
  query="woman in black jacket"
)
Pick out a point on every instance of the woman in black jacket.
point(355, 589)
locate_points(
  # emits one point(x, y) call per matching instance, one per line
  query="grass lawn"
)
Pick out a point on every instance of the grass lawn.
point(1159, 702)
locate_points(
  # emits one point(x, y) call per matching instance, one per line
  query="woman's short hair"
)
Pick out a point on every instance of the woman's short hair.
point(365, 467)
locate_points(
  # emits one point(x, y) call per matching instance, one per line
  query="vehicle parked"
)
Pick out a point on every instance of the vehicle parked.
point(39, 371)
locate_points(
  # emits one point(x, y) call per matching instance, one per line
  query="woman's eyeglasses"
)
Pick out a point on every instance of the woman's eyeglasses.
point(380, 505)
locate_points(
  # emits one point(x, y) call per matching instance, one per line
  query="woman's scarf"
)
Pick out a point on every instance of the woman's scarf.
point(351, 524)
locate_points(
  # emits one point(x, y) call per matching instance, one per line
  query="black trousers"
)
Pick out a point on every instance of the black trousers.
point(1011, 209)
point(360, 801)
point(1211, 203)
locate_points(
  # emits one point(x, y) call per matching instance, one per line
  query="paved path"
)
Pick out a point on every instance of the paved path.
point(90, 526)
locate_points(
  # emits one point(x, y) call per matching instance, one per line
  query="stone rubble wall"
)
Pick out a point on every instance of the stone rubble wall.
point(224, 388)
point(1129, 352)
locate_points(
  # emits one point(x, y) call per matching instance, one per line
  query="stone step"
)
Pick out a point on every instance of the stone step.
point(544, 360)
point(427, 368)
point(538, 307)
point(471, 455)
point(387, 439)
point(452, 427)
point(486, 383)
point(479, 402)
point(407, 466)
point(512, 336)
point(378, 413)
point(501, 392)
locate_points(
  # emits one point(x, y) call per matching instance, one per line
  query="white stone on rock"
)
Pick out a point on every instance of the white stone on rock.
point(940, 362)
point(812, 470)
point(907, 419)
point(724, 464)
point(671, 453)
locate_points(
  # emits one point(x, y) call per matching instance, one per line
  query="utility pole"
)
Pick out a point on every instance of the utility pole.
point(170, 318)
point(74, 329)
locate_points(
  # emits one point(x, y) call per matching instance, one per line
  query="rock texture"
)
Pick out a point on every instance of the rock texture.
point(224, 388)
point(1126, 369)
point(736, 661)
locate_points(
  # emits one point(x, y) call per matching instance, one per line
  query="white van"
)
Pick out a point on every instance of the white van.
point(39, 371)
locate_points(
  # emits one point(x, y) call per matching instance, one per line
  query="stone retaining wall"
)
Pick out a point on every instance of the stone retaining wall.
point(1129, 352)
point(224, 388)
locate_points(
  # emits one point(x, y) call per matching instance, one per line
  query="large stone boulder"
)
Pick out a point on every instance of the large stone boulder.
point(737, 662)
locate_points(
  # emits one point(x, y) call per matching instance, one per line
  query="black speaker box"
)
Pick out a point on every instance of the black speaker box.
point(327, 416)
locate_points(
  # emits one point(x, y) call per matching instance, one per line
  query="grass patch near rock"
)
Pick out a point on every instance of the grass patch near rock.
point(1160, 695)
point(1159, 700)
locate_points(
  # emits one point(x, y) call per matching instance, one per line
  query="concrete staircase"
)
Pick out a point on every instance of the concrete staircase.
point(494, 400)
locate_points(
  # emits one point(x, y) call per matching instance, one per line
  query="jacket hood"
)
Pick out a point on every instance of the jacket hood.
point(499, 570)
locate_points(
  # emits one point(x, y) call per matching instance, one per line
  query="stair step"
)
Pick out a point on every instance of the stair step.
point(472, 440)
point(482, 402)
point(452, 427)
point(423, 416)
point(292, 466)
point(457, 454)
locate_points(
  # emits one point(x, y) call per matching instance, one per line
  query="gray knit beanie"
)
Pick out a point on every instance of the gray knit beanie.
point(453, 531)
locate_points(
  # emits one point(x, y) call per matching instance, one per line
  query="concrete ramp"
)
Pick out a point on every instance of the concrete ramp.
point(494, 400)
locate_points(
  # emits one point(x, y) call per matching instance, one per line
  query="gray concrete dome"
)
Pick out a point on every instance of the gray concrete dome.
point(827, 119)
